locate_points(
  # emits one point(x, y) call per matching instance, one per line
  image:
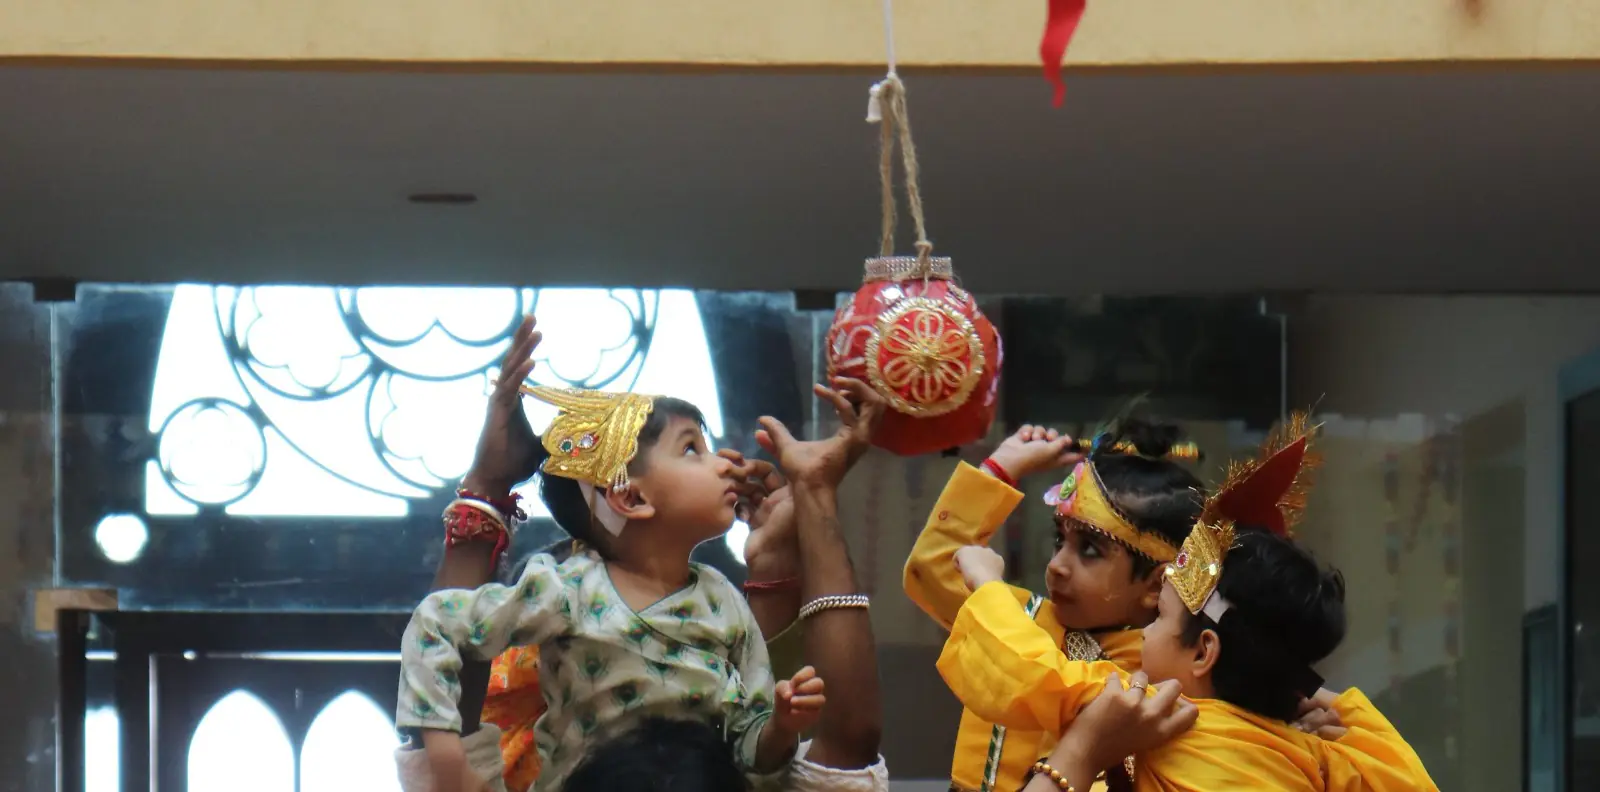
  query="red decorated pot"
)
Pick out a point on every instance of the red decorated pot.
point(919, 340)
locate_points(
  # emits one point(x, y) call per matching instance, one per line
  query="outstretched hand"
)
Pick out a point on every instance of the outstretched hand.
point(508, 450)
point(825, 462)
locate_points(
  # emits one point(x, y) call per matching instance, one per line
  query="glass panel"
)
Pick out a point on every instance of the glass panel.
point(1583, 504)
point(240, 746)
point(350, 745)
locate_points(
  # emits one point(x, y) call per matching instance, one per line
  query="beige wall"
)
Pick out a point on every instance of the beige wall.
point(813, 32)
point(1392, 372)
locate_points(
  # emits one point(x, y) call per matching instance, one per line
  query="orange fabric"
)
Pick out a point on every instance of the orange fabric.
point(514, 703)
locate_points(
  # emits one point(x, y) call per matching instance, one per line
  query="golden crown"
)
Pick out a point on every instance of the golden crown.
point(595, 435)
point(1268, 491)
point(1082, 497)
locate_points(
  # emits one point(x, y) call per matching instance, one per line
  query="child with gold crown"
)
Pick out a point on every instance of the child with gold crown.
point(1243, 614)
point(629, 629)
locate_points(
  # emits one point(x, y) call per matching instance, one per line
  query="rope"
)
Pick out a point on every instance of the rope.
point(888, 32)
point(896, 130)
point(887, 107)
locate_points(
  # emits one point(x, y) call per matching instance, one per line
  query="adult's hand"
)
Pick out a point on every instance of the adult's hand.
point(1121, 722)
point(508, 450)
point(823, 463)
point(1318, 716)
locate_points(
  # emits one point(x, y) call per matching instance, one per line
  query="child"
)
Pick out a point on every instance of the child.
point(1128, 507)
point(1243, 615)
point(629, 629)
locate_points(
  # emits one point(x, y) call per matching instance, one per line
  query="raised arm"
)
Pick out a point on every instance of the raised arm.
point(972, 507)
point(969, 511)
point(508, 454)
point(838, 643)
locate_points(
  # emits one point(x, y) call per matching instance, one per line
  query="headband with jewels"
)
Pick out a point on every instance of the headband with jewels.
point(1267, 492)
point(592, 439)
point(1082, 497)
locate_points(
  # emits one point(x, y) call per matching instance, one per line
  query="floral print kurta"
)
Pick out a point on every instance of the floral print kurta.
point(603, 668)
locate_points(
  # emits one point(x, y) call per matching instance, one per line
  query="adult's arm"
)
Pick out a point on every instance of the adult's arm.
point(838, 643)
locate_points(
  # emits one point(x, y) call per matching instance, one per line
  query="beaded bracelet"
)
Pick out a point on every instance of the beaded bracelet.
point(834, 602)
point(1042, 767)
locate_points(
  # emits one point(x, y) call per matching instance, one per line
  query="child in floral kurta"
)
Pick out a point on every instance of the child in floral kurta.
point(697, 653)
point(636, 467)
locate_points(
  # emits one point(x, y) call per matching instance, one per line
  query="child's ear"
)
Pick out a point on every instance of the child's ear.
point(1206, 652)
point(1150, 598)
point(630, 502)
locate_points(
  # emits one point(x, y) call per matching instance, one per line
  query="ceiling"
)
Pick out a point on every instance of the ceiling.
point(1450, 180)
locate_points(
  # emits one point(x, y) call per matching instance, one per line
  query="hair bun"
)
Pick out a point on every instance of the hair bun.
point(1152, 440)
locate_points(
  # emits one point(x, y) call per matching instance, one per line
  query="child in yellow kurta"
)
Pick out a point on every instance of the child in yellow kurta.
point(1254, 594)
point(1120, 516)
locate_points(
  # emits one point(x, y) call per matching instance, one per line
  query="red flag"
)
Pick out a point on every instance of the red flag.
point(1058, 29)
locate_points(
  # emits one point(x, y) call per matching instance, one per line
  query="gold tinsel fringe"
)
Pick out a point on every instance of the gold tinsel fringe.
point(1293, 502)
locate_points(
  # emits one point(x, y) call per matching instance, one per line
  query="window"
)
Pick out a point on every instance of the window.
point(320, 401)
point(350, 745)
point(240, 746)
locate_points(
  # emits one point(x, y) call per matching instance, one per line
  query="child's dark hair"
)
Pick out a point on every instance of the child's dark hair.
point(1287, 614)
point(1158, 495)
point(660, 755)
point(564, 498)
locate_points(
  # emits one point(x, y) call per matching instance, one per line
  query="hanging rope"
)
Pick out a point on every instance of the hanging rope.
point(887, 107)
point(895, 132)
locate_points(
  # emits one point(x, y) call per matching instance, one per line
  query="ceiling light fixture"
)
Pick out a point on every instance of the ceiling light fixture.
point(443, 199)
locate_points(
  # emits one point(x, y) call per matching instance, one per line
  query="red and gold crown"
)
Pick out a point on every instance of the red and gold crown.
point(1268, 492)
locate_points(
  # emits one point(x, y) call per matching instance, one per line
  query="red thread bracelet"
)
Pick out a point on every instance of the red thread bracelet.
point(506, 504)
point(464, 524)
point(770, 585)
point(1000, 473)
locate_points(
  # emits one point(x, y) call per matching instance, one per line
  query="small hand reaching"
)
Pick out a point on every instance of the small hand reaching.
point(980, 565)
point(1035, 449)
point(800, 701)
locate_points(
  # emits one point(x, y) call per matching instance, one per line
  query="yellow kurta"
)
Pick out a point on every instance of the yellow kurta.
point(972, 507)
point(1005, 668)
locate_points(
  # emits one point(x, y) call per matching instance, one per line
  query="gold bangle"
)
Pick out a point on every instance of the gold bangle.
point(1060, 781)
